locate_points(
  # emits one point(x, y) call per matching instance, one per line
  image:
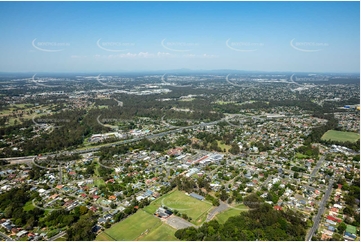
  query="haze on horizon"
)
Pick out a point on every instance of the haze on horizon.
point(150, 36)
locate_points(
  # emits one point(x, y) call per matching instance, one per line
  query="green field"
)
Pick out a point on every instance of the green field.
point(301, 156)
point(28, 206)
point(223, 146)
point(178, 200)
point(162, 233)
point(223, 216)
point(13, 116)
point(131, 228)
point(341, 136)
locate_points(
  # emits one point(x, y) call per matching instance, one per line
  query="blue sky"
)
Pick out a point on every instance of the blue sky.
point(132, 36)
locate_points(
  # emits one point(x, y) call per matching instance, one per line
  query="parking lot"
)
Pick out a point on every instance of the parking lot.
point(178, 223)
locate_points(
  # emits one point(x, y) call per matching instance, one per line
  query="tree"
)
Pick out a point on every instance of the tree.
point(296, 175)
point(252, 201)
point(224, 196)
point(341, 228)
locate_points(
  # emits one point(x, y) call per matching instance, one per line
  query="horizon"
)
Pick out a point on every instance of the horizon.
point(181, 71)
point(129, 37)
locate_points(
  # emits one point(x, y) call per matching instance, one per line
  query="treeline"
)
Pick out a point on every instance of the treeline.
point(69, 133)
point(107, 153)
point(12, 203)
point(79, 221)
point(351, 145)
point(301, 102)
point(260, 223)
point(309, 151)
point(351, 200)
point(332, 123)
point(317, 132)
point(209, 142)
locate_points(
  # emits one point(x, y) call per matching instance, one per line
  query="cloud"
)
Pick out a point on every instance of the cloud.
point(164, 54)
point(78, 56)
point(135, 55)
point(148, 55)
point(200, 56)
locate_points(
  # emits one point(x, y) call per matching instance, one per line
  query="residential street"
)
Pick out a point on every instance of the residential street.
point(321, 209)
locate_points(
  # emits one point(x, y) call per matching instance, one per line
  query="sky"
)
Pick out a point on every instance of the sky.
point(150, 36)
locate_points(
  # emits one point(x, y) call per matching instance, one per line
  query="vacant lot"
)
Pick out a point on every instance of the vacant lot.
point(340, 136)
point(223, 216)
point(131, 228)
point(184, 204)
point(162, 233)
point(223, 146)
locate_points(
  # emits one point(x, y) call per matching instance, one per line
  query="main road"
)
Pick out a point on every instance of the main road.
point(317, 219)
point(28, 159)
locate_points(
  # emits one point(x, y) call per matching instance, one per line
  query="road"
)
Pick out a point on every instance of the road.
point(61, 234)
point(222, 206)
point(317, 219)
point(267, 180)
point(232, 180)
point(28, 159)
point(319, 163)
point(6, 237)
point(18, 160)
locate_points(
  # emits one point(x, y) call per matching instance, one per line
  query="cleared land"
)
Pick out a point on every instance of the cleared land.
point(132, 227)
point(178, 200)
point(341, 136)
point(223, 216)
point(17, 113)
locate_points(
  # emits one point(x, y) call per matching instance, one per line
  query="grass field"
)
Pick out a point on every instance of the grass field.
point(28, 206)
point(132, 227)
point(301, 156)
point(223, 146)
point(340, 136)
point(184, 204)
point(162, 233)
point(223, 216)
point(14, 109)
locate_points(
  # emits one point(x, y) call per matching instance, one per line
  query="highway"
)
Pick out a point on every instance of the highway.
point(317, 219)
point(19, 160)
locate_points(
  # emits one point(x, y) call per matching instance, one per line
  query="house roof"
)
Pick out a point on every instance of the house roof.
point(199, 197)
point(329, 217)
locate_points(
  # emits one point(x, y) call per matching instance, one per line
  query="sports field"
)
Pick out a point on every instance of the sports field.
point(162, 233)
point(184, 204)
point(341, 136)
point(131, 228)
point(223, 216)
